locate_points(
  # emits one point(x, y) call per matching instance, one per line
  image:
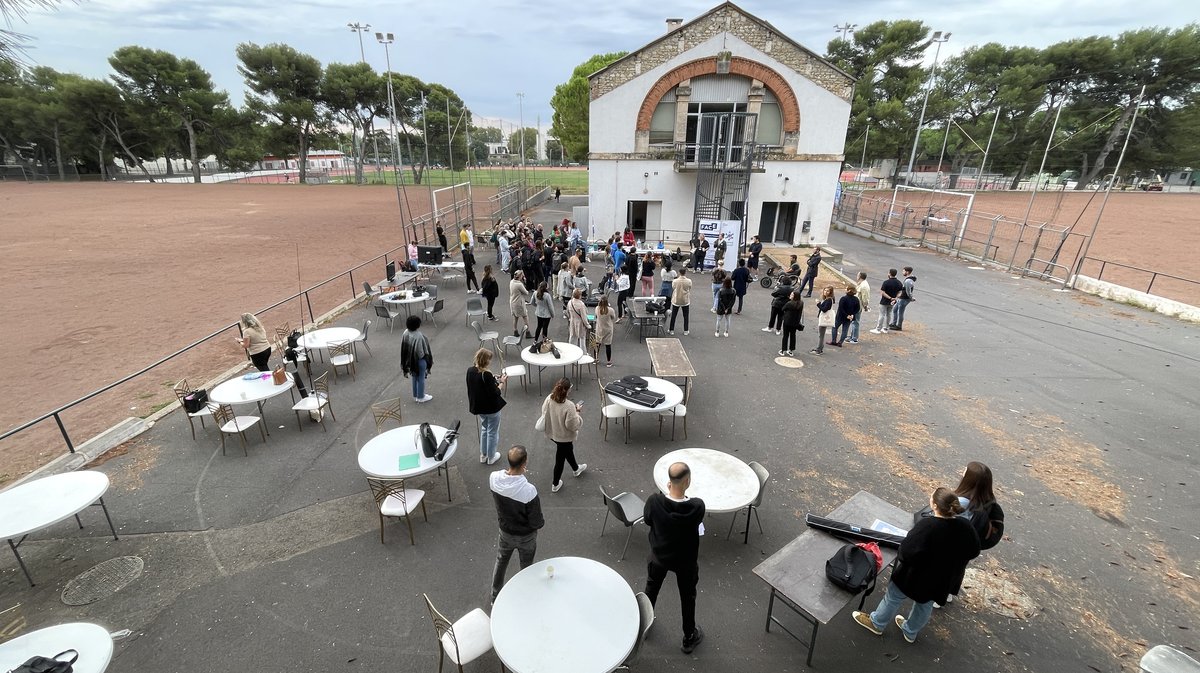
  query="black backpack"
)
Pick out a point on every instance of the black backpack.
point(852, 569)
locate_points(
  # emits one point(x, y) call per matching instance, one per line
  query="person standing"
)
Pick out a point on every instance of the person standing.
point(975, 494)
point(755, 253)
point(441, 235)
point(605, 326)
point(518, 515)
point(792, 320)
point(908, 288)
point(718, 281)
point(889, 293)
point(416, 358)
point(676, 523)
point(543, 309)
point(741, 281)
point(681, 299)
point(779, 297)
point(719, 250)
point(624, 291)
point(466, 237)
point(518, 302)
point(932, 556)
point(490, 289)
point(863, 292)
point(485, 400)
point(725, 299)
point(824, 318)
point(254, 340)
point(666, 277)
point(648, 275)
point(562, 286)
point(810, 272)
point(577, 322)
point(468, 258)
point(847, 308)
point(562, 423)
point(557, 194)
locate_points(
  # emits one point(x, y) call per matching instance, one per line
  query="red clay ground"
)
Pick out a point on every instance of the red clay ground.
point(100, 280)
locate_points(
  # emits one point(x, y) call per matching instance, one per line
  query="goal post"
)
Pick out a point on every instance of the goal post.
point(942, 215)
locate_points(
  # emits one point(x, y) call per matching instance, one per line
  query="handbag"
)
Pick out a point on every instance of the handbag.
point(545, 346)
point(540, 425)
point(279, 376)
point(426, 440)
point(55, 664)
point(825, 319)
point(195, 401)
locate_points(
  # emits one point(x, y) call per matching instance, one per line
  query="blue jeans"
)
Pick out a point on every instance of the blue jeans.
point(854, 326)
point(840, 330)
point(898, 311)
point(418, 379)
point(489, 434)
point(889, 607)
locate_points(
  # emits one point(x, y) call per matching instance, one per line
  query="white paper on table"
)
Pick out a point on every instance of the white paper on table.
point(885, 527)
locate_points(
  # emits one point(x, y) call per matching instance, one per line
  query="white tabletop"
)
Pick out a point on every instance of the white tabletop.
point(328, 336)
point(92, 642)
point(723, 482)
point(569, 352)
point(42, 502)
point(241, 391)
point(447, 265)
point(673, 395)
point(394, 298)
point(380, 457)
point(584, 619)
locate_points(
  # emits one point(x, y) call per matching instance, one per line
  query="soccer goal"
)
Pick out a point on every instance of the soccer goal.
point(933, 217)
point(13, 172)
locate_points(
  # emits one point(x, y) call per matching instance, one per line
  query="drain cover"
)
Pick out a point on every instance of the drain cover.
point(102, 580)
point(793, 363)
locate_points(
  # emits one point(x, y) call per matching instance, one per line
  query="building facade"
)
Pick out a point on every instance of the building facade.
point(722, 119)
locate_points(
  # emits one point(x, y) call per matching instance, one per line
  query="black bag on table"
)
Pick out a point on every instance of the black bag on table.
point(852, 569)
point(195, 401)
point(59, 663)
point(450, 438)
point(426, 440)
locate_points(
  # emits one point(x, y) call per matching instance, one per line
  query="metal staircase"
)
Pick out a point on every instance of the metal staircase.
point(723, 156)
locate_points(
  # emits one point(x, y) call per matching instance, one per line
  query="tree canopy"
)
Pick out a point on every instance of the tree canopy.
point(570, 103)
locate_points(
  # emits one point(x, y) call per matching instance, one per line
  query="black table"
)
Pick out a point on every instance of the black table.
point(796, 573)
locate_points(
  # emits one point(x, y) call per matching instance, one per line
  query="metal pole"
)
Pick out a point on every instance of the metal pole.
point(937, 37)
point(425, 131)
point(986, 151)
point(397, 165)
point(360, 29)
point(945, 139)
point(1116, 171)
point(866, 137)
point(521, 103)
point(1037, 179)
point(449, 141)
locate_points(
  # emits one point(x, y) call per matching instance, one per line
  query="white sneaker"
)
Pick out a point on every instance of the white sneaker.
point(670, 332)
point(482, 458)
point(555, 488)
point(495, 457)
point(874, 331)
point(685, 332)
point(726, 335)
point(884, 330)
point(778, 332)
point(783, 353)
point(426, 398)
point(766, 329)
point(582, 467)
point(717, 334)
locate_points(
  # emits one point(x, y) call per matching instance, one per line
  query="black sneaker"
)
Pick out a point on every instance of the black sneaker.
point(690, 644)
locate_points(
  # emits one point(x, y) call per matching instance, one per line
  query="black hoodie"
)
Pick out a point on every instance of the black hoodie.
point(674, 529)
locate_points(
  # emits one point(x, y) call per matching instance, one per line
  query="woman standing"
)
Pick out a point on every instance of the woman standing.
point(718, 280)
point(605, 326)
point(847, 309)
point(562, 422)
point(779, 297)
point(468, 259)
point(725, 298)
point(648, 275)
point(518, 300)
point(681, 299)
point(254, 340)
point(562, 286)
point(741, 281)
point(490, 289)
point(791, 320)
point(666, 277)
point(975, 494)
point(933, 554)
point(416, 358)
point(543, 309)
point(485, 400)
point(624, 291)
point(824, 318)
point(577, 322)
point(441, 234)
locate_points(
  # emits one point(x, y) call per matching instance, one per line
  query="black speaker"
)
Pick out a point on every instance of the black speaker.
point(429, 254)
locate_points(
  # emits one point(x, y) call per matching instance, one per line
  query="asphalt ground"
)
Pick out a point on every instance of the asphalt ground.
point(1084, 409)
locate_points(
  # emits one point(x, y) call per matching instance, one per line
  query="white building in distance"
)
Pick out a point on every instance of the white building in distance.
point(723, 123)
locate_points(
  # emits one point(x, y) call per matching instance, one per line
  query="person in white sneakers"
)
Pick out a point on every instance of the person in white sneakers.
point(863, 292)
point(562, 422)
point(681, 300)
point(889, 292)
point(725, 299)
point(519, 514)
point(485, 400)
point(416, 358)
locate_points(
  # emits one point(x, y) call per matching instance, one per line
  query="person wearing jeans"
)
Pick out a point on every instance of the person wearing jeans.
point(725, 300)
point(519, 515)
point(889, 292)
point(863, 292)
point(416, 358)
point(681, 299)
point(484, 399)
point(907, 289)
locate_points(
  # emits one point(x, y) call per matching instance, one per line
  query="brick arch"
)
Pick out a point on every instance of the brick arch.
point(788, 105)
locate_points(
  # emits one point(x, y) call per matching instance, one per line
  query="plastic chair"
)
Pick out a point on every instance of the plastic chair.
point(510, 341)
point(387, 314)
point(626, 508)
point(317, 401)
point(475, 307)
point(763, 476)
point(371, 293)
point(231, 424)
point(392, 499)
point(182, 390)
point(463, 641)
point(430, 311)
point(431, 291)
point(389, 410)
point(516, 370)
point(485, 336)
point(645, 621)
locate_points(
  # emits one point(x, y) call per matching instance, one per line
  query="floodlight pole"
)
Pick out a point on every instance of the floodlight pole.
point(939, 39)
point(397, 158)
point(521, 104)
point(845, 28)
point(359, 29)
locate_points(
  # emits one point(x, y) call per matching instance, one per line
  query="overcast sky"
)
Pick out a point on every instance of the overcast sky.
point(488, 50)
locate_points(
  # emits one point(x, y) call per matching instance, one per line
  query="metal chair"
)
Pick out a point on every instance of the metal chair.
point(475, 307)
point(510, 341)
point(763, 476)
point(392, 499)
point(463, 641)
point(485, 336)
point(231, 424)
point(645, 621)
point(317, 401)
point(387, 314)
point(431, 311)
point(389, 410)
point(342, 355)
point(607, 411)
point(182, 390)
point(362, 338)
point(626, 508)
point(675, 413)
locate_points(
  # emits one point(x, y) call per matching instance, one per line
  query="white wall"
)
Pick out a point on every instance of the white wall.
point(811, 186)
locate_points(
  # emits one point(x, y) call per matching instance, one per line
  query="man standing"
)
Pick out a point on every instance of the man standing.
point(719, 250)
point(676, 523)
point(752, 262)
point(907, 289)
point(810, 274)
point(466, 237)
point(519, 513)
point(889, 292)
point(863, 292)
point(575, 237)
point(557, 194)
point(681, 299)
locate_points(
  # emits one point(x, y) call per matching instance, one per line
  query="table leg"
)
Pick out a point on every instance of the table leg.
point(79, 521)
point(746, 538)
point(770, 609)
point(812, 644)
point(449, 496)
point(106, 516)
point(21, 562)
point(263, 416)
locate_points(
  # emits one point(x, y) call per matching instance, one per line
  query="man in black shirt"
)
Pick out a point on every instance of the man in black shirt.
point(675, 523)
point(752, 262)
point(519, 513)
point(889, 292)
point(810, 274)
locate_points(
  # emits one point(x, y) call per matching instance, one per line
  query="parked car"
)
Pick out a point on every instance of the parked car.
point(1151, 186)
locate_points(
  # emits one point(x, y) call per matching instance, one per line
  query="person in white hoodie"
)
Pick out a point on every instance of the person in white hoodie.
point(519, 513)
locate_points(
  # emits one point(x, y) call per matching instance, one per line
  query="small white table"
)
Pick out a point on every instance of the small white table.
point(379, 458)
point(723, 482)
point(44, 502)
point(322, 339)
point(584, 619)
point(673, 396)
point(239, 390)
point(569, 354)
point(405, 301)
point(92, 642)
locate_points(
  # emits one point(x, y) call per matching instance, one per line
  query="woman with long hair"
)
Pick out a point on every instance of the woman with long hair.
point(577, 322)
point(490, 289)
point(824, 305)
point(725, 299)
point(485, 400)
point(416, 357)
point(543, 309)
point(254, 340)
point(666, 277)
point(790, 320)
point(562, 423)
point(648, 275)
point(518, 300)
point(975, 494)
point(605, 326)
point(932, 555)
point(562, 286)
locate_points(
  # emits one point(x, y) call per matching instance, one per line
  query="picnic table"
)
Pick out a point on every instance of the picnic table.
point(669, 360)
point(796, 573)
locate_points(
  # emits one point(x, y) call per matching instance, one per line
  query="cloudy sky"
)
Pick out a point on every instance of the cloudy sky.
point(488, 50)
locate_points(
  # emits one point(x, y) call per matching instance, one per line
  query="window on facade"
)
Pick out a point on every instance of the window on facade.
point(696, 109)
point(770, 124)
point(662, 124)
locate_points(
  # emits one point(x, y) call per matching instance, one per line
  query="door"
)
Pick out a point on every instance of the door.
point(785, 222)
point(635, 218)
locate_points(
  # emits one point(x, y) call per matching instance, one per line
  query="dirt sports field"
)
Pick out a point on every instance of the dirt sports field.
point(100, 280)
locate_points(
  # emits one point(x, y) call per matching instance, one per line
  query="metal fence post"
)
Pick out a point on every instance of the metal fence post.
point(62, 428)
point(353, 290)
point(311, 316)
point(991, 235)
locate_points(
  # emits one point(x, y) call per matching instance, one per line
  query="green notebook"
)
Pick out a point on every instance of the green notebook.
point(409, 461)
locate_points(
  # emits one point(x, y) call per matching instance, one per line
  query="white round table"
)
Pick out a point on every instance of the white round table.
point(380, 457)
point(584, 619)
point(569, 354)
point(92, 642)
point(673, 396)
point(240, 390)
point(723, 482)
point(44, 502)
point(329, 336)
point(395, 299)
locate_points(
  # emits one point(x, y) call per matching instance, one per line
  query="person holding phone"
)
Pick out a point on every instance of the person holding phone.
point(485, 399)
point(562, 422)
point(254, 340)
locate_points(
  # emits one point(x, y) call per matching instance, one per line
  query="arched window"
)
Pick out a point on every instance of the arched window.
point(662, 124)
point(770, 121)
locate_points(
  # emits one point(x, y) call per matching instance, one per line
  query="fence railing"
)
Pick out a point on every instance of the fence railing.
point(1177, 287)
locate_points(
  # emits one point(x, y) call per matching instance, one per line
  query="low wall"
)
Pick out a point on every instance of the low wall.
point(1170, 307)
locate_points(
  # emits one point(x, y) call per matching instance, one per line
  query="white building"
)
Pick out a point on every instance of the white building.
point(722, 118)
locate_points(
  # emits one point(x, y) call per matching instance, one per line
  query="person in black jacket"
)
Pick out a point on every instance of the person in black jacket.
point(847, 308)
point(675, 527)
point(824, 305)
point(725, 298)
point(519, 514)
point(779, 297)
point(975, 493)
point(810, 273)
point(485, 401)
point(933, 555)
point(490, 289)
point(792, 319)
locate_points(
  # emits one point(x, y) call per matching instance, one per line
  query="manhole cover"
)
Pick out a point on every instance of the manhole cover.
point(102, 580)
point(792, 363)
